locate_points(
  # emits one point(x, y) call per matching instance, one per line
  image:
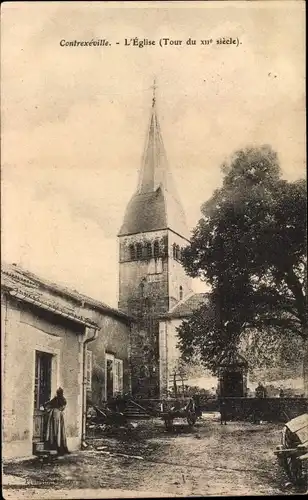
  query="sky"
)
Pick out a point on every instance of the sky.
point(74, 119)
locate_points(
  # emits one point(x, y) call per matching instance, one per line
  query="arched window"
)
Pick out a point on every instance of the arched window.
point(139, 250)
point(174, 250)
point(132, 252)
point(181, 292)
point(177, 252)
point(156, 249)
point(141, 288)
point(149, 250)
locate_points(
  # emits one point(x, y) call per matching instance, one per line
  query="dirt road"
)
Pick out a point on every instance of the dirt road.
point(236, 459)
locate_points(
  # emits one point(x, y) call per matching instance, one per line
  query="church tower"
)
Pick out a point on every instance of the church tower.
point(151, 277)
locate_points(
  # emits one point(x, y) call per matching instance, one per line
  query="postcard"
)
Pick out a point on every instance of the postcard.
point(154, 260)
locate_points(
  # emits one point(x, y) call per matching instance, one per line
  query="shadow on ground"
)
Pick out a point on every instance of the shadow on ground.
point(236, 459)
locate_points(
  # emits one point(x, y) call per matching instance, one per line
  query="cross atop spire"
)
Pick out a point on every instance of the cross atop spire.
point(154, 87)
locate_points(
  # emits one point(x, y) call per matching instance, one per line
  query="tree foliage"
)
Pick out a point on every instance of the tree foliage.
point(250, 246)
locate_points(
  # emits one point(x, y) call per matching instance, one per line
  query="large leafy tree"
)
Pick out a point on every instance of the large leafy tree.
point(250, 246)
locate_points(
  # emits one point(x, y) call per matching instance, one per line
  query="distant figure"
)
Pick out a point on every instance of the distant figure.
point(223, 412)
point(196, 398)
point(260, 391)
point(56, 435)
point(281, 393)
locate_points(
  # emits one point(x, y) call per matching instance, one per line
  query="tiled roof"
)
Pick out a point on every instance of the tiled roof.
point(188, 305)
point(233, 358)
point(16, 278)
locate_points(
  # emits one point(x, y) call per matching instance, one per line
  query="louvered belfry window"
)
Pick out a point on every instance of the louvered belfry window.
point(139, 250)
point(149, 250)
point(132, 252)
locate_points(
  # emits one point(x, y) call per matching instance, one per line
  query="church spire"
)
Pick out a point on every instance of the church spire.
point(154, 168)
point(156, 204)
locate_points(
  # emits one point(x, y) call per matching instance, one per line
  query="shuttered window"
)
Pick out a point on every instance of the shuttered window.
point(118, 376)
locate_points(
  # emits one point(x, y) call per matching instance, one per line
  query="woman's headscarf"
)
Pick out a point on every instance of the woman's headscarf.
point(60, 397)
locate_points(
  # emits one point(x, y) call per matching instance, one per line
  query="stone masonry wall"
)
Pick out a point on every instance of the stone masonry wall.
point(152, 280)
point(146, 274)
point(177, 276)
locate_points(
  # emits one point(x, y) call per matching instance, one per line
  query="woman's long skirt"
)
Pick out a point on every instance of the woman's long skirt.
point(55, 434)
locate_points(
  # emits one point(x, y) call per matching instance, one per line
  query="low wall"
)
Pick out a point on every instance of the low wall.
point(268, 409)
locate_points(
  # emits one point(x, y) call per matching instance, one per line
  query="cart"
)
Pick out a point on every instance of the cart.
point(187, 412)
point(116, 413)
point(106, 419)
point(292, 454)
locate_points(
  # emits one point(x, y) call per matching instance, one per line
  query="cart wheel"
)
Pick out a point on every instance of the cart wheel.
point(295, 471)
point(168, 425)
point(191, 419)
point(293, 467)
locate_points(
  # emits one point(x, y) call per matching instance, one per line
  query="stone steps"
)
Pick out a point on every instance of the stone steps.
point(135, 412)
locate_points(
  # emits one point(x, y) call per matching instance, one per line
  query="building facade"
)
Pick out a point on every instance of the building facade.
point(169, 353)
point(53, 336)
point(42, 349)
point(108, 364)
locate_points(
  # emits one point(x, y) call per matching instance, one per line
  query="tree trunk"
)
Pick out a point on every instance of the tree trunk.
point(305, 367)
point(175, 387)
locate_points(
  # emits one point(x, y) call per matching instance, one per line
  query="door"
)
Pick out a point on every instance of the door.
point(109, 376)
point(42, 392)
point(232, 384)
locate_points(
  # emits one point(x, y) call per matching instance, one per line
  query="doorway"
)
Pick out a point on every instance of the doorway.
point(42, 392)
point(232, 384)
point(114, 376)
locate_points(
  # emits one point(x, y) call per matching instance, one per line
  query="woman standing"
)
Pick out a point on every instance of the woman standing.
point(56, 435)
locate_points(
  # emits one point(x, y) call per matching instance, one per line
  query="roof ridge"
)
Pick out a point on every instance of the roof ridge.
point(183, 300)
point(187, 308)
point(54, 306)
point(74, 294)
